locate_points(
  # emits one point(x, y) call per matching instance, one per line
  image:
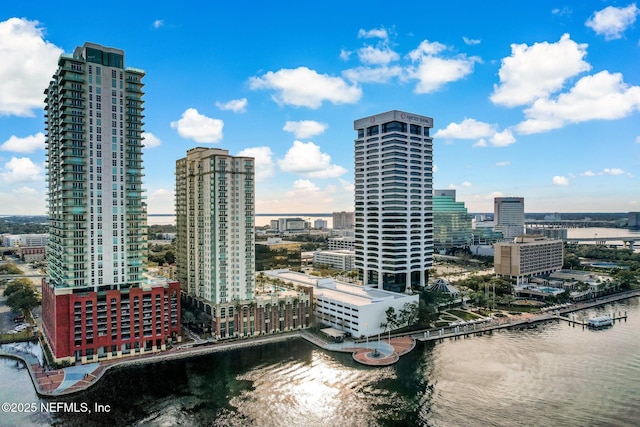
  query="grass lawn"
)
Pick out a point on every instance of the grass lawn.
point(20, 336)
point(464, 315)
point(440, 324)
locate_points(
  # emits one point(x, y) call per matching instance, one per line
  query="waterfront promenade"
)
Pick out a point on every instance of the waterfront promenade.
point(74, 379)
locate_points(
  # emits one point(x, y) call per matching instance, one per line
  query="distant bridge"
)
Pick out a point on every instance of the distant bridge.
point(569, 223)
point(627, 241)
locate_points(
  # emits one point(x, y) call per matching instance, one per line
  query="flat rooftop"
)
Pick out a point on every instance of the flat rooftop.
point(329, 288)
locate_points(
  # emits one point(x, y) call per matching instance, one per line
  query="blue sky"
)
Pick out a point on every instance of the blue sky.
point(539, 100)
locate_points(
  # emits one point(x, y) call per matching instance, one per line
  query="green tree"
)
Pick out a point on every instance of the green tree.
point(626, 279)
point(21, 295)
point(392, 317)
point(188, 318)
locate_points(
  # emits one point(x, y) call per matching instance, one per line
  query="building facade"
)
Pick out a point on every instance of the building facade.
point(508, 216)
point(393, 200)
point(24, 240)
point(214, 222)
point(320, 224)
point(452, 225)
point(97, 244)
point(358, 310)
point(340, 259)
point(528, 256)
point(334, 243)
point(343, 220)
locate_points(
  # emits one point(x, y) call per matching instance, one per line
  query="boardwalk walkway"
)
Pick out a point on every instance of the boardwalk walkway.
point(59, 382)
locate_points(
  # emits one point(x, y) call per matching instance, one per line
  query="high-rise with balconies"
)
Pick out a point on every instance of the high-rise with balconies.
point(393, 200)
point(97, 301)
point(215, 227)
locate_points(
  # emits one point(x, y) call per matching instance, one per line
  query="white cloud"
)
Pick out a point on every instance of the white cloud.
point(28, 62)
point(560, 180)
point(480, 143)
point(379, 33)
point(307, 160)
point(235, 105)
point(347, 185)
point(377, 55)
point(161, 200)
point(613, 21)
point(561, 12)
point(150, 140)
point(466, 184)
point(602, 96)
point(22, 201)
point(302, 87)
point(605, 171)
point(198, 127)
point(158, 23)
point(502, 139)
point(303, 187)
point(433, 72)
point(305, 128)
point(536, 71)
point(28, 144)
point(504, 163)
point(467, 129)
point(263, 161)
point(372, 74)
point(345, 54)
point(21, 169)
point(614, 171)
point(426, 48)
point(471, 42)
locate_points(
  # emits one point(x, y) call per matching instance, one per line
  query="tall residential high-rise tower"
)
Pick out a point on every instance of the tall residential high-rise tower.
point(508, 216)
point(393, 200)
point(215, 220)
point(96, 295)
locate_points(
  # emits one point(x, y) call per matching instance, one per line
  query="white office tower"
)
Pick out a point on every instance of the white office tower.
point(508, 216)
point(215, 221)
point(393, 200)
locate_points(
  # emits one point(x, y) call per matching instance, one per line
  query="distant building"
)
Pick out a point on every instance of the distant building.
point(32, 253)
point(393, 200)
point(528, 256)
point(451, 222)
point(634, 219)
point(291, 224)
point(320, 224)
point(557, 233)
point(343, 220)
point(508, 216)
point(340, 259)
point(350, 308)
point(341, 243)
point(28, 240)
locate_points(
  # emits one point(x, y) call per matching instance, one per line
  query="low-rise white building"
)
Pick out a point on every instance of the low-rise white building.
point(341, 243)
point(350, 308)
point(29, 240)
point(341, 259)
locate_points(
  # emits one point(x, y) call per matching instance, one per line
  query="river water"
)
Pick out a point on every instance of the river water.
point(550, 376)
